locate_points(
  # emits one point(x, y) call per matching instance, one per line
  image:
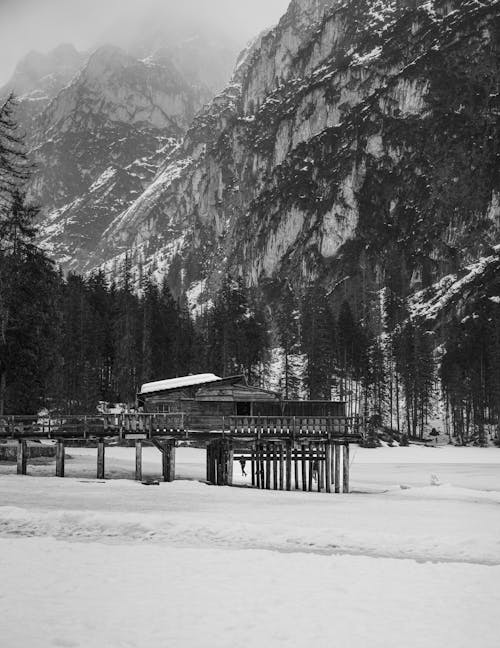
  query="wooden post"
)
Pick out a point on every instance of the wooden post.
point(304, 471)
point(345, 483)
point(138, 460)
point(268, 467)
point(22, 456)
point(311, 467)
point(295, 467)
point(229, 463)
point(168, 461)
point(208, 472)
point(337, 468)
point(100, 459)
point(288, 468)
point(281, 466)
point(332, 463)
point(257, 465)
point(328, 466)
point(275, 466)
point(319, 464)
point(60, 458)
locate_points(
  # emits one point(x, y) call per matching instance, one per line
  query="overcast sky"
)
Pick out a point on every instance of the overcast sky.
point(43, 24)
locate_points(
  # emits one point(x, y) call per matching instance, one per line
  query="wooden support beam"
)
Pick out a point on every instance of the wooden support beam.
point(268, 467)
point(60, 456)
point(332, 464)
point(100, 459)
point(288, 467)
point(252, 468)
point(337, 468)
point(311, 467)
point(230, 464)
point(328, 466)
point(138, 460)
point(209, 466)
point(304, 468)
point(296, 468)
point(345, 482)
point(281, 466)
point(320, 470)
point(168, 461)
point(275, 466)
point(22, 457)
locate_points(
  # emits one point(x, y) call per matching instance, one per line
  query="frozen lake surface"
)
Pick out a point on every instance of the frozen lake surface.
point(398, 562)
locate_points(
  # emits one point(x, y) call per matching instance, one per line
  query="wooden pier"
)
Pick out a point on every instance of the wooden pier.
point(283, 453)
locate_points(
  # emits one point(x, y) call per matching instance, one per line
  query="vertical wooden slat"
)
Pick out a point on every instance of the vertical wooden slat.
point(281, 466)
point(319, 465)
point(328, 466)
point(337, 468)
point(311, 466)
point(209, 466)
point(304, 469)
point(275, 466)
point(345, 482)
point(138, 460)
point(22, 457)
point(60, 458)
point(100, 459)
point(252, 464)
point(295, 467)
point(268, 467)
point(288, 467)
point(230, 464)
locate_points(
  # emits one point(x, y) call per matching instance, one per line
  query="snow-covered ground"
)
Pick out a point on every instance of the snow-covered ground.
point(398, 562)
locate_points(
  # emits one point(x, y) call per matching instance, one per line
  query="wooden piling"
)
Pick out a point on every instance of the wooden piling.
point(288, 468)
point(337, 468)
point(345, 482)
point(252, 466)
point(138, 460)
point(22, 457)
point(229, 463)
point(258, 480)
point(60, 458)
point(168, 461)
point(275, 466)
point(268, 467)
point(100, 459)
point(296, 468)
point(304, 468)
point(311, 467)
point(281, 467)
point(328, 466)
point(319, 464)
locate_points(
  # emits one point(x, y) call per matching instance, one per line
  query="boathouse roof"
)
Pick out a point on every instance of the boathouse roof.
point(178, 383)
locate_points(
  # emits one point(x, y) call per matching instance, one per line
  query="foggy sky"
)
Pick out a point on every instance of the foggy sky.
point(43, 24)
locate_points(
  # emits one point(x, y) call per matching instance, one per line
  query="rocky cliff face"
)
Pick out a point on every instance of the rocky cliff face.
point(98, 144)
point(357, 143)
point(38, 78)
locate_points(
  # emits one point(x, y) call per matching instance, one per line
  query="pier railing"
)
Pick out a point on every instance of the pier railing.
point(295, 426)
point(150, 425)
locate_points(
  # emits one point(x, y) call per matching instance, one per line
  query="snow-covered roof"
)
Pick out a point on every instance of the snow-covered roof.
point(176, 383)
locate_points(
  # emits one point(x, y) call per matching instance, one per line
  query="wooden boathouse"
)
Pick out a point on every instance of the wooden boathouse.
point(289, 445)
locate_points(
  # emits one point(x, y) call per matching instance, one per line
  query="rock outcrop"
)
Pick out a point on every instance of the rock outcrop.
point(357, 142)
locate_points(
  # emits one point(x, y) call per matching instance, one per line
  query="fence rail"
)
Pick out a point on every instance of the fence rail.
point(295, 426)
point(150, 425)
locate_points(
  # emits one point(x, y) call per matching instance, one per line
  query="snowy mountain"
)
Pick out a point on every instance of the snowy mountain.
point(342, 149)
point(38, 78)
point(98, 143)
